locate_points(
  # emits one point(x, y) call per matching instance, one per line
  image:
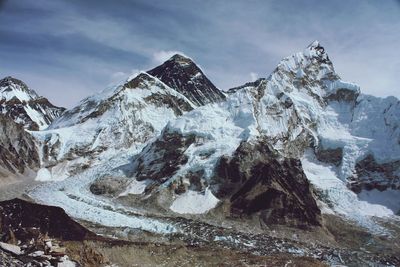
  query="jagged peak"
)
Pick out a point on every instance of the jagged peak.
point(315, 49)
point(9, 80)
point(314, 44)
point(183, 75)
point(12, 88)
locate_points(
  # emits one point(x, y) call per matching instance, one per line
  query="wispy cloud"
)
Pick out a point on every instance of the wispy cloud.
point(162, 56)
point(67, 49)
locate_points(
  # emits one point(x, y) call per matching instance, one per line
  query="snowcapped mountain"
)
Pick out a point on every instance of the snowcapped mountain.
point(304, 120)
point(183, 75)
point(24, 106)
point(281, 150)
point(122, 117)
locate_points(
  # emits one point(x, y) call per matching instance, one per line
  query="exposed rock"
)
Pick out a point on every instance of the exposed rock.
point(343, 95)
point(108, 185)
point(254, 84)
point(183, 75)
point(330, 155)
point(257, 180)
point(28, 220)
point(162, 158)
point(18, 152)
point(373, 175)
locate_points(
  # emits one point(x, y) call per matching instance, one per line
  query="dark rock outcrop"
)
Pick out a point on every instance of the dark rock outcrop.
point(183, 75)
point(26, 220)
point(330, 155)
point(343, 94)
point(373, 175)
point(162, 158)
point(257, 180)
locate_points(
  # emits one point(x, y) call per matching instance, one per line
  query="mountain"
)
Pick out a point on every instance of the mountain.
point(183, 75)
point(24, 106)
point(122, 117)
point(303, 120)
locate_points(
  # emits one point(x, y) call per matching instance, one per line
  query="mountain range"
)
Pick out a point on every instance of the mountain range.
point(283, 150)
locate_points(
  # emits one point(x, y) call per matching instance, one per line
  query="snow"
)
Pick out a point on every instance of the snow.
point(389, 198)
point(43, 174)
point(192, 202)
point(66, 262)
point(345, 201)
point(336, 85)
point(38, 113)
point(8, 93)
point(73, 195)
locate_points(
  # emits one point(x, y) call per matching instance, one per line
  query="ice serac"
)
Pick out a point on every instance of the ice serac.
point(25, 106)
point(119, 118)
point(183, 75)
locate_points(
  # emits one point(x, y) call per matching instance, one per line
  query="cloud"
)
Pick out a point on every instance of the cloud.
point(120, 76)
point(253, 76)
point(82, 46)
point(162, 56)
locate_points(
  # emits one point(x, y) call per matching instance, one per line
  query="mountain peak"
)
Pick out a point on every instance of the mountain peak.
point(315, 49)
point(181, 59)
point(9, 81)
point(314, 44)
point(183, 75)
point(25, 106)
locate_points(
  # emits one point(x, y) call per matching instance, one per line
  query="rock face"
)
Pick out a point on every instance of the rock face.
point(38, 235)
point(24, 106)
point(23, 221)
point(373, 175)
point(163, 157)
point(257, 180)
point(330, 155)
point(18, 152)
point(183, 75)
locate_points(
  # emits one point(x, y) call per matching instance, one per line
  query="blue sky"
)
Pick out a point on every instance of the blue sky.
point(69, 49)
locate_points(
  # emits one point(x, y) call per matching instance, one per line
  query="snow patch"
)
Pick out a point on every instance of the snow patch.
point(135, 188)
point(43, 175)
point(192, 202)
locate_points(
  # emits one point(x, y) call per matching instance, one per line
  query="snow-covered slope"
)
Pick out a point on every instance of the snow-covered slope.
point(122, 117)
point(24, 106)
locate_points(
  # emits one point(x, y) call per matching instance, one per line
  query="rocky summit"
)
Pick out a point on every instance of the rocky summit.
point(298, 166)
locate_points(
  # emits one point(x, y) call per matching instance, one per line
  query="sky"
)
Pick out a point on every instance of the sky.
point(69, 49)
